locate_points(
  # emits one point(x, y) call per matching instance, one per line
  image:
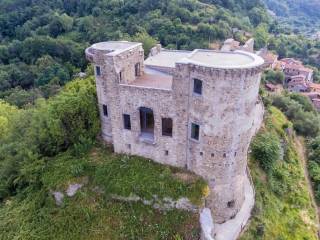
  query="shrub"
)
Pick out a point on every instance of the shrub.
point(266, 149)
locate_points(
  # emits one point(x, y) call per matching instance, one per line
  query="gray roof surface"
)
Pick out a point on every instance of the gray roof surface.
point(209, 58)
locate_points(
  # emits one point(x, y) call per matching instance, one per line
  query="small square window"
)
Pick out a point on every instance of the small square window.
point(197, 86)
point(105, 110)
point(126, 121)
point(167, 127)
point(195, 131)
point(201, 153)
point(98, 71)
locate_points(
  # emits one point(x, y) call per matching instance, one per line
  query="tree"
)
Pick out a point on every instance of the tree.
point(147, 41)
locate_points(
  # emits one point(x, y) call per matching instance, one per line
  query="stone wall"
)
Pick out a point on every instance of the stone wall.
point(228, 111)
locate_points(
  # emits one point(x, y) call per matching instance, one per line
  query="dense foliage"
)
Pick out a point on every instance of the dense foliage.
point(51, 127)
point(283, 208)
point(42, 44)
point(300, 111)
point(303, 16)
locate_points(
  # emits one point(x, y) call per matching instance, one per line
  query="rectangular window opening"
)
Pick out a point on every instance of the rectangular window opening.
point(105, 110)
point(98, 71)
point(167, 127)
point(195, 131)
point(197, 86)
point(137, 69)
point(120, 76)
point(126, 121)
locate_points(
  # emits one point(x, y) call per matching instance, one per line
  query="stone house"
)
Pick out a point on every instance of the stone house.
point(192, 109)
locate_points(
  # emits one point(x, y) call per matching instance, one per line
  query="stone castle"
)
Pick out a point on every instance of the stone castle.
point(192, 109)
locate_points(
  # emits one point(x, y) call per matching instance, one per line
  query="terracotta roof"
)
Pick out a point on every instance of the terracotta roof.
point(290, 63)
point(271, 86)
point(269, 57)
point(315, 86)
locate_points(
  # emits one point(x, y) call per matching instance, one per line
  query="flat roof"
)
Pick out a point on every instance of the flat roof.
point(221, 59)
point(166, 58)
point(115, 46)
point(209, 58)
point(153, 79)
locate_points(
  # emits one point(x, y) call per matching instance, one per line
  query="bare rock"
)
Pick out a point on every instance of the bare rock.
point(58, 196)
point(73, 188)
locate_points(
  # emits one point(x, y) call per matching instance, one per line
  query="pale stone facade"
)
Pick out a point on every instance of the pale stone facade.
point(211, 98)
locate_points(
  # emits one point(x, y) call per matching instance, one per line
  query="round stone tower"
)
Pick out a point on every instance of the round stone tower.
point(222, 102)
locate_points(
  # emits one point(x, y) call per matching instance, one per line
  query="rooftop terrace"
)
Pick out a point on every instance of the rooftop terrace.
point(153, 79)
point(114, 47)
point(209, 58)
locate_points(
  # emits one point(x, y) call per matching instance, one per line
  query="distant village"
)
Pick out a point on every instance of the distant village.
point(298, 78)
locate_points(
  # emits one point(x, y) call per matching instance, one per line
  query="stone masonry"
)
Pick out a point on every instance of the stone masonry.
point(210, 98)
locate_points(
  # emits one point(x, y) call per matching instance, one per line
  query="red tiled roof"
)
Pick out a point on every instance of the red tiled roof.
point(314, 86)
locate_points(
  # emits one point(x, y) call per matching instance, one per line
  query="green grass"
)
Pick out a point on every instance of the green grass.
point(92, 214)
point(283, 208)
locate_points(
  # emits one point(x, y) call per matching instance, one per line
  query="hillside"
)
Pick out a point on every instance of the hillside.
point(303, 16)
point(283, 208)
point(42, 44)
point(32, 172)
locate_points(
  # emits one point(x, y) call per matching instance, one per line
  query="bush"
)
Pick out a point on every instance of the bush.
point(298, 109)
point(69, 119)
point(266, 149)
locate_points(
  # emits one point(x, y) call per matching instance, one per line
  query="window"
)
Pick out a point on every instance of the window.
point(197, 86)
point(147, 123)
point(98, 71)
point(126, 121)
point(195, 130)
point(137, 69)
point(231, 204)
point(105, 110)
point(167, 127)
point(120, 76)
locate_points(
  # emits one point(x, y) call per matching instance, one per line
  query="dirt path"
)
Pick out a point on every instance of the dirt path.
point(301, 150)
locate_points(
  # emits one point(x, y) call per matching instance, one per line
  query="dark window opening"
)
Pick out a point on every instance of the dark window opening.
point(197, 86)
point(224, 155)
point(195, 130)
point(212, 154)
point(137, 69)
point(167, 127)
point(231, 204)
point(105, 110)
point(201, 153)
point(98, 71)
point(166, 152)
point(120, 76)
point(146, 122)
point(126, 121)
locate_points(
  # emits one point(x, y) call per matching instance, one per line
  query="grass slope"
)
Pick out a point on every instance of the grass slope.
point(91, 213)
point(283, 207)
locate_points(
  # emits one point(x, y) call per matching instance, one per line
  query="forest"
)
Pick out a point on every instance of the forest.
point(300, 15)
point(42, 44)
